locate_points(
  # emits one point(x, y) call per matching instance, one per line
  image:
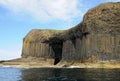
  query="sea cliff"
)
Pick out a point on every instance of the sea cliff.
point(96, 39)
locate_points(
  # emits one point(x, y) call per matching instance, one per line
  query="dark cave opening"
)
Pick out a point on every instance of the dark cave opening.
point(57, 48)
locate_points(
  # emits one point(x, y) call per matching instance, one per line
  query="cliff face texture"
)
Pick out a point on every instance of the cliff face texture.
point(96, 38)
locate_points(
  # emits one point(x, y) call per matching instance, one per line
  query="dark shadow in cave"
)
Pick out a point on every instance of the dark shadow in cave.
point(57, 48)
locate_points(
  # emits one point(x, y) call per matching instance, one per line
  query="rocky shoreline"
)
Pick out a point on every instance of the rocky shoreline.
point(21, 63)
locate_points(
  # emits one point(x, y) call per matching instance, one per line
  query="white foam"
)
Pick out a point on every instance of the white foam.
point(73, 67)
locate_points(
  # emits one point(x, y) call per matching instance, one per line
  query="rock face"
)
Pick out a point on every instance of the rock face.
point(96, 38)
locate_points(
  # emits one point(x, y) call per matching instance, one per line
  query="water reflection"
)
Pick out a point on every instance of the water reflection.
point(52, 74)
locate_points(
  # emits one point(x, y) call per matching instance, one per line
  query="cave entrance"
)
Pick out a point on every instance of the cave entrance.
point(57, 48)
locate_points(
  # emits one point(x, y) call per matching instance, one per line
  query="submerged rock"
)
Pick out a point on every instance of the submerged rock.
point(96, 38)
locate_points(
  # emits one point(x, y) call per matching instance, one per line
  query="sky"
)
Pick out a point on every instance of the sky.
point(18, 17)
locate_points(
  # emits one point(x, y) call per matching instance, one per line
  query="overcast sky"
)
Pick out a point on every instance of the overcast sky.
point(18, 17)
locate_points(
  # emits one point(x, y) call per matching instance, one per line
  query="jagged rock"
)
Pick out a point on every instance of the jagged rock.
point(96, 38)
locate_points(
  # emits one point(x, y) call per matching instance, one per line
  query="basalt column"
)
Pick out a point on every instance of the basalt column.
point(95, 39)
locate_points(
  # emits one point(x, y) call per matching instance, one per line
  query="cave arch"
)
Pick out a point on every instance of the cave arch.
point(57, 49)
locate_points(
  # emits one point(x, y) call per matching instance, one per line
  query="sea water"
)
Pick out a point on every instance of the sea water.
point(58, 74)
